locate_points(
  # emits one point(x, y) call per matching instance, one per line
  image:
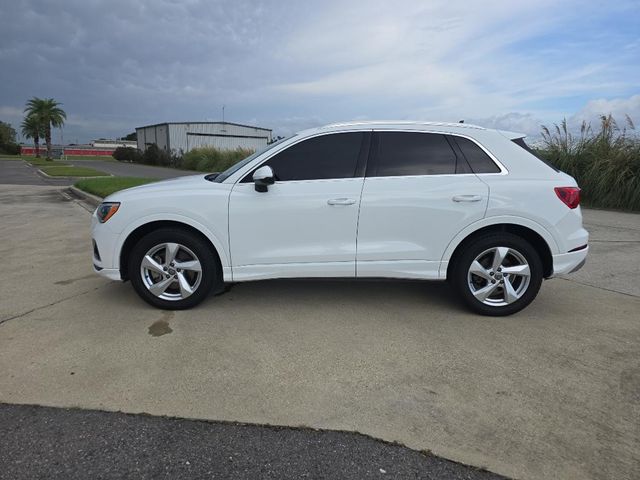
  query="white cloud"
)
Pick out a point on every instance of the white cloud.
point(619, 108)
point(116, 65)
point(515, 122)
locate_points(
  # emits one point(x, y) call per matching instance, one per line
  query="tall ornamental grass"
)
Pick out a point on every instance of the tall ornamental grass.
point(210, 159)
point(605, 162)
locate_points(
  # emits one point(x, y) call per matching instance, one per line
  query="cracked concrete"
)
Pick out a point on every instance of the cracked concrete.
point(548, 393)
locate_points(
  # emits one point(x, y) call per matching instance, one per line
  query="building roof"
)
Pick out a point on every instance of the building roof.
point(204, 123)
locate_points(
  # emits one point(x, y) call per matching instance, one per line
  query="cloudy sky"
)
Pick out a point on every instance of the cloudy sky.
point(288, 64)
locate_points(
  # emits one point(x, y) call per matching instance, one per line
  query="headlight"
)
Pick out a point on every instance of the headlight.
point(106, 210)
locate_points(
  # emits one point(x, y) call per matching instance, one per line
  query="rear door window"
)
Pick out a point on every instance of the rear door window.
point(413, 153)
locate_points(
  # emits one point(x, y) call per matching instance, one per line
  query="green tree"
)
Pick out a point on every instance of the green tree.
point(48, 112)
point(132, 136)
point(7, 133)
point(32, 128)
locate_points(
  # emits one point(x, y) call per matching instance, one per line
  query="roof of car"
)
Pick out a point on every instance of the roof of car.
point(402, 123)
point(395, 125)
point(444, 127)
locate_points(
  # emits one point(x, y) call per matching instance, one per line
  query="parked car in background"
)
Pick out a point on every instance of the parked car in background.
point(415, 200)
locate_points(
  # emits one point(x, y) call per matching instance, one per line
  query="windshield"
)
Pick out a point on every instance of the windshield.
point(234, 168)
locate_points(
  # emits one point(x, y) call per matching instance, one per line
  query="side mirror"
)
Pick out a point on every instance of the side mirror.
point(263, 177)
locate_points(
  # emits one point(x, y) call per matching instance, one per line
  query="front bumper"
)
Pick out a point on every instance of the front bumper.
point(565, 263)
point(106, 260)
point(110, 273)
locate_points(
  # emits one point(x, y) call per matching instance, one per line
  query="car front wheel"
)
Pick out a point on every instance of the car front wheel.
point(497, 274)
point(172, 269)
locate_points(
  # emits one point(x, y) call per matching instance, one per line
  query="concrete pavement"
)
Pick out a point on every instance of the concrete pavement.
point(551, 392)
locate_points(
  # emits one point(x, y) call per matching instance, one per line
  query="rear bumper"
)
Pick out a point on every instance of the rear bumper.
point(566, 263)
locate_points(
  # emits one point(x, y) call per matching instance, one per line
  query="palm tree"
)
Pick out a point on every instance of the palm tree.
point(49, 114)
point(31, 128)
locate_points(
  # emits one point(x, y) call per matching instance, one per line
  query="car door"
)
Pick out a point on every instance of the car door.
point(418, 193)
point(305, 223)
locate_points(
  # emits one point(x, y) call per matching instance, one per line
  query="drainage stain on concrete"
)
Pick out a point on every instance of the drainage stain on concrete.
point(630, 384)
point(72, 280)
point(161, 327)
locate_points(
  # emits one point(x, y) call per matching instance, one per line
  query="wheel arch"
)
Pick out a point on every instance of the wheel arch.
point(140, 231)
point(534, 237)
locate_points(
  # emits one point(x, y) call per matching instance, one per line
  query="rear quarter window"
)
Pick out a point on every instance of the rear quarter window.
point(478, 159)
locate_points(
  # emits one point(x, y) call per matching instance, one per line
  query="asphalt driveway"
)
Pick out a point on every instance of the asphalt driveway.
point(551, 392)
point(132, 169)
point(67, 444)
point(19, 172)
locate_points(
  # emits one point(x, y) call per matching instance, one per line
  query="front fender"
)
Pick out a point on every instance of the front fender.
point(217, 240)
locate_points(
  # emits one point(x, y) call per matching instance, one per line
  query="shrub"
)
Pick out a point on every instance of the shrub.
point(605, 163)
point(9, 148)
point(211, 159)
point(127, 154)
point(156, 156)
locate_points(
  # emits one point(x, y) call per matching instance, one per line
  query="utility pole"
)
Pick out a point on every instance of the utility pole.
point(223, 129)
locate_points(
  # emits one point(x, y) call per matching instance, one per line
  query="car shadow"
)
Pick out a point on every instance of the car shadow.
point(306, 292)
point(344, 291)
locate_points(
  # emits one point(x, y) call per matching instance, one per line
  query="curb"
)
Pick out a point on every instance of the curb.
point(70, 177)
point(87, 197)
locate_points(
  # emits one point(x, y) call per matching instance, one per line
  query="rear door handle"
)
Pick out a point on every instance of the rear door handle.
point(341, 201)
point(467, 198)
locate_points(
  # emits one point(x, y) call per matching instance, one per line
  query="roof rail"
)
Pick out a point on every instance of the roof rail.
point(403, 122)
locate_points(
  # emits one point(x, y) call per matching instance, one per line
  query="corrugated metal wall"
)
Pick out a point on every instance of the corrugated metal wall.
point(185, 136)
point(146, 137)
point(155, 134)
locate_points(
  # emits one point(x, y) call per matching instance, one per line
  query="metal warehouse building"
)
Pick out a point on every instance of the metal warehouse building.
point(185, 136)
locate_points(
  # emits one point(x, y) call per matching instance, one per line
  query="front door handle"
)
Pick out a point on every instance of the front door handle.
point(341, 201)
point(467, 198)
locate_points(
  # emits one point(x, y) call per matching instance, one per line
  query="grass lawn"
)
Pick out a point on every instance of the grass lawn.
point(106, 186)
point(10, 157)
point(104, 158)
point(71, 171)
point(43, 162)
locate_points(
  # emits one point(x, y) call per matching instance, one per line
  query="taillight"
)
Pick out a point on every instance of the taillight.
point(570, 196)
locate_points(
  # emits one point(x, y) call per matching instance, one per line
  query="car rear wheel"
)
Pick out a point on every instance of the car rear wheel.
point(172, 269)
point(497, 274)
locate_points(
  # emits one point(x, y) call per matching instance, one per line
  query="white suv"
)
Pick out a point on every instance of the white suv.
point(417, 200)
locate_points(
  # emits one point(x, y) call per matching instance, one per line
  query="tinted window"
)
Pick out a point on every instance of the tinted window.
point(480, 162)
point(234, 168)
point(409, 153)
point(327, 156)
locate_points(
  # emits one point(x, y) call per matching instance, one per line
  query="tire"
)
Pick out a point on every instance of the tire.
point(491, 286)
point(172, 269)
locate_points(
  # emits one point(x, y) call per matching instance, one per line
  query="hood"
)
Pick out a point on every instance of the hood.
point(190, 182)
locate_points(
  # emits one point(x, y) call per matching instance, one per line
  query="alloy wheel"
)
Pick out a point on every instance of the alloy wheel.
point(499, 276)
point(171, 271)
